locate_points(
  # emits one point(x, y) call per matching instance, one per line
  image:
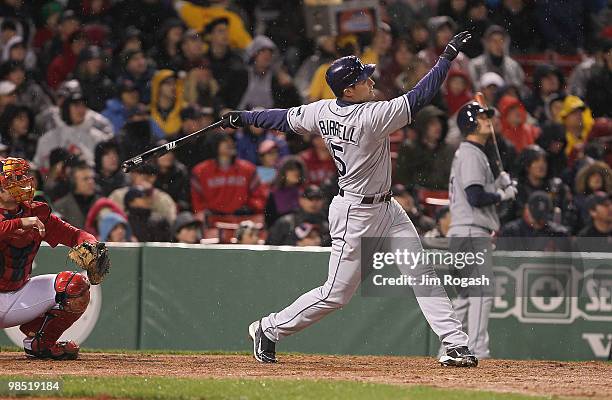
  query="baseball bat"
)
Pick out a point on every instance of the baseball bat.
point(159, 151)
point(479, 97)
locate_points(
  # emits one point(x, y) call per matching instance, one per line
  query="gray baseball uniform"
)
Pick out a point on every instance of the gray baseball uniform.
point(470, 230)
point(357, 136)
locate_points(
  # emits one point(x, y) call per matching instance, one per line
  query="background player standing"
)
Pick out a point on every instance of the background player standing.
point(43, 306)
point(356, 131)
point(474, 194)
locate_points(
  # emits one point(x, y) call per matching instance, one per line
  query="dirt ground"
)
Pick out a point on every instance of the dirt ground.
point(573, 379)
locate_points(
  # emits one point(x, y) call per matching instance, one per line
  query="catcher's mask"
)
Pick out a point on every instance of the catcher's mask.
point(16, 180)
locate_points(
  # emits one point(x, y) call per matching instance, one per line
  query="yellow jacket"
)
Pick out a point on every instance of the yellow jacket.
point(572, 103)
point(171, 125)
point(197, 17)
point(319, 89)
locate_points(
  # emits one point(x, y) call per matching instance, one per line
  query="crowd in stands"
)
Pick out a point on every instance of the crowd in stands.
point(86, 84)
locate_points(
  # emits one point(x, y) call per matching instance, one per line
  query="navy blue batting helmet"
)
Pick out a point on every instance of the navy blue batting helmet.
point(468, 114)
point(345, 72)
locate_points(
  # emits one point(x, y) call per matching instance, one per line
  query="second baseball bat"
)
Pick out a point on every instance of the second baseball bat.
point(479, 97)
point(158, 151)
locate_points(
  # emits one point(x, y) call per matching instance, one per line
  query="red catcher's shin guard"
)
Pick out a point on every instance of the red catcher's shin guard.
point(43, 332)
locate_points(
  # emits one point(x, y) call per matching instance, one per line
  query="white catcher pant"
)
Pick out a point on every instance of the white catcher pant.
point(31, 301)
point(349, 221)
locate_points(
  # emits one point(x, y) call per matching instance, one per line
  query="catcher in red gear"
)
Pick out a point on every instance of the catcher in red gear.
point(42, 306)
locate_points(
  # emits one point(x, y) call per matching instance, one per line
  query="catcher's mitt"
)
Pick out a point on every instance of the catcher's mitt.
point(92, 257)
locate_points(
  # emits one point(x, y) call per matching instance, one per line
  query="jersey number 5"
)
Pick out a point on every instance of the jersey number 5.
point(340, 164)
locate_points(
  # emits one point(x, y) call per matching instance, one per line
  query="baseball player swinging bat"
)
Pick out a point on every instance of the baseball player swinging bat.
point(159, 151)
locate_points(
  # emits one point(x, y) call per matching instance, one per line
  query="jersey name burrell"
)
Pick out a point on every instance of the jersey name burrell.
point(333, 128)
point(357, 137)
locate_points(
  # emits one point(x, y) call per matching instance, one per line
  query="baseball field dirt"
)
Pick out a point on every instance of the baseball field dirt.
point(592, 379)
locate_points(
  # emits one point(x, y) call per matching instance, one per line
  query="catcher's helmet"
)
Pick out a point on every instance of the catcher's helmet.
point(15, 178)
point(468, 114)
point(347, 71)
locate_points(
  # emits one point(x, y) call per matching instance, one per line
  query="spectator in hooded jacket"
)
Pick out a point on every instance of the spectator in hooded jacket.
point(592, 178)
point(458, 90)
point(64, 64)
point(515, 127)
point(269, 85)
point(577, 119)
point(167, 101)
point(77, 135)
point(115, 228)
point(427, 160)
point(136, 68)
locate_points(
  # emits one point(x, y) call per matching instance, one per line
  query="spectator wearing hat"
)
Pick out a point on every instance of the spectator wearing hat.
point(268, 162)
point(553, 141)
point(194, 118)
point(167, 101)
point(458, 90)
point(186, 229)
point(225, 184)
point(147, 225)
point(594, 177)
point(515, 126)
point(247, 233)
point(535, 230)
point(76, 134)
point(114, 227)
point(91, 74)
point(490, 83)
point(285, 190)
point(68, 23)
point(318, 161)
point(109, 176)
point(65, 63)
point(426, 161)
point(118, 108)
point(166, 52)
point(378, 52)
point(408, 200)
point(17, 131)
point(227, 65)
point(495, 59)
point(136, 68)
point(76, 204)
point(144, 177)
point(198, 17)
point(17, 50)
point(599, 207)
point(599, 86)
point(50, 15)
point(548, 80)
point(306, 226)
point(28, 91)
point(173, 178)
point(577, 119)
point(269, 85)
point(8, 94)
point(191, 51)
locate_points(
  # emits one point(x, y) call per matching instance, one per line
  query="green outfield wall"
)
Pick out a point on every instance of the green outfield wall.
point(203, 298)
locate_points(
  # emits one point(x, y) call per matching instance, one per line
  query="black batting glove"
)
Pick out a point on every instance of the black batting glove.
point(455, 45)
point(232, 119)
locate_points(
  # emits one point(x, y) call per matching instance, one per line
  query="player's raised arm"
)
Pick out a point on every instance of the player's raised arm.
point(429, 85)
point(275, 118)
